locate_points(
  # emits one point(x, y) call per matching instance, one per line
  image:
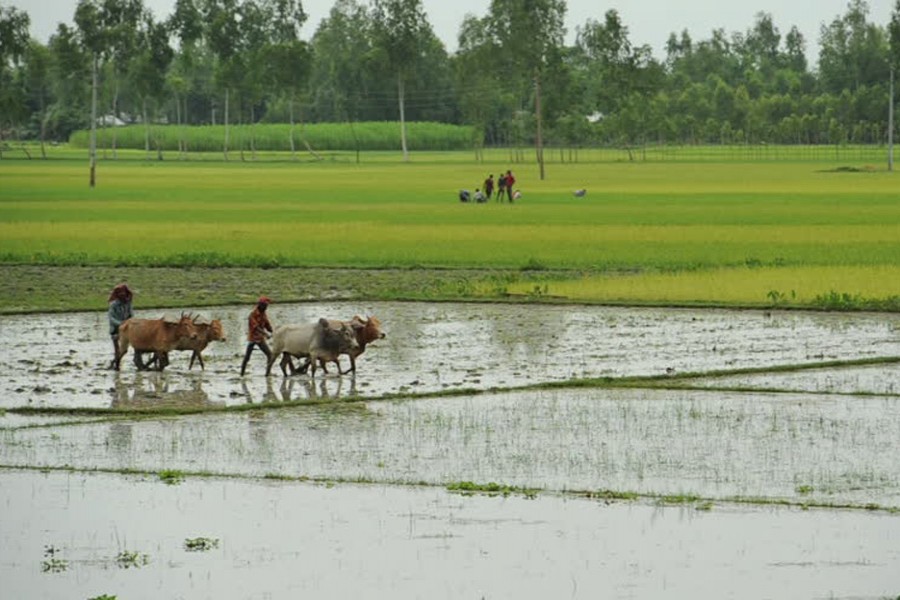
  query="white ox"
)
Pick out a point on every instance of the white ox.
point(316, 341)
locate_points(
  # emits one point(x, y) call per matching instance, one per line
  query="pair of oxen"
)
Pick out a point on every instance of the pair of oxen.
point(319, 343)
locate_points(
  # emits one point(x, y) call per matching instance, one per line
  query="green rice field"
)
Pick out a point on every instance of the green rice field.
point(789, 232)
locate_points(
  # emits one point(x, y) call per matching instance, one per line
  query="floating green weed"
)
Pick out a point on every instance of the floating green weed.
point(127, 559)
point(171, 477)
point(611, 495)
point(490, 489)
point(200, 544)
point(52, 563)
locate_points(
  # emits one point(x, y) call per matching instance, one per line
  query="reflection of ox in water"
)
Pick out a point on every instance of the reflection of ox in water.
point(155, 390)
point(316, 341)
point(294, 390)
point(153, 335)
point(207, 332)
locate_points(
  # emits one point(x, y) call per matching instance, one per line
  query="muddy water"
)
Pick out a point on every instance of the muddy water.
point(59, 360)
point(875, 379)
point(281, 540)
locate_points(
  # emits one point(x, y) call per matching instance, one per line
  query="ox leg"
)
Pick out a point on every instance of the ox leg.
point(146, 366)
point(286, 363)
point(352, 368)
point(196, 354)
point(162, 360)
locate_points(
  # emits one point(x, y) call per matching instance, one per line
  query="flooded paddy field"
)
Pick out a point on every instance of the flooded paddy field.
point(61, 360)
point(776, 483)
point(223, 538)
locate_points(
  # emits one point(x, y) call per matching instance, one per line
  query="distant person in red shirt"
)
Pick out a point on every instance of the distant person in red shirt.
point(510, 180)
point(259, 330)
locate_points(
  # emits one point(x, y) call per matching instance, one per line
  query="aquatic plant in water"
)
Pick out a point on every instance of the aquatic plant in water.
point(51, 563)
point(127, 559)
point(200, 544)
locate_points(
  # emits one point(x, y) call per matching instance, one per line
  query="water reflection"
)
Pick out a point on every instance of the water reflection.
point(119, 436)
point(296, 389)
point(155, 389)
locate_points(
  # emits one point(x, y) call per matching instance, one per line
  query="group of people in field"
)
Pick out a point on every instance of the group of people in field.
point(121, 309)
point(504, 185)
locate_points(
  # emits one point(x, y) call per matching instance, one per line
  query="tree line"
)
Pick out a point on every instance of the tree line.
point(513, 79)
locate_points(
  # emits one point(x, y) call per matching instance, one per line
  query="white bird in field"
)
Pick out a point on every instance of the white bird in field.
point(580, 193)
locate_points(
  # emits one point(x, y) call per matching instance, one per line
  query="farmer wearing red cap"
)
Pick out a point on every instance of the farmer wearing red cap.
point(259, 331)
point(119, 311)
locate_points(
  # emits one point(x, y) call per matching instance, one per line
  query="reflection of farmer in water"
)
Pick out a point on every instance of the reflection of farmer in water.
point(119, 311)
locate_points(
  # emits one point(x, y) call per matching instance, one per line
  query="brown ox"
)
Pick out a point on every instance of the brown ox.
point(206, 333)
point(153, 335)
point(366, 330)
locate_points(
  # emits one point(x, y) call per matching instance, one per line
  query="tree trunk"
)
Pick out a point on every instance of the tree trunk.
point(539, 141)
point(93, 144)
point(252, 133)
point(178, 124)
point(226, 125)
point(293, 150)
point(400, 95)
point(186, 125)
point(115, 114)
point(891, 125)
point(43, 126)
point(146, 127)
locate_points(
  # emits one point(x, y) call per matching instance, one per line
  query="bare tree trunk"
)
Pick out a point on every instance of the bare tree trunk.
point(43, 126)
point(93, 145)
point(891, 125)
point(226, 125)
point(539, 142)
point(186, 125)
point(252, 133)
point(115, 114)
point(146, 127)
point(293, 149)
point(400, 95)
point(178, 124)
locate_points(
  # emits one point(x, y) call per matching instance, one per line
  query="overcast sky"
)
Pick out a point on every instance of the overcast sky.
point(648, 21)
